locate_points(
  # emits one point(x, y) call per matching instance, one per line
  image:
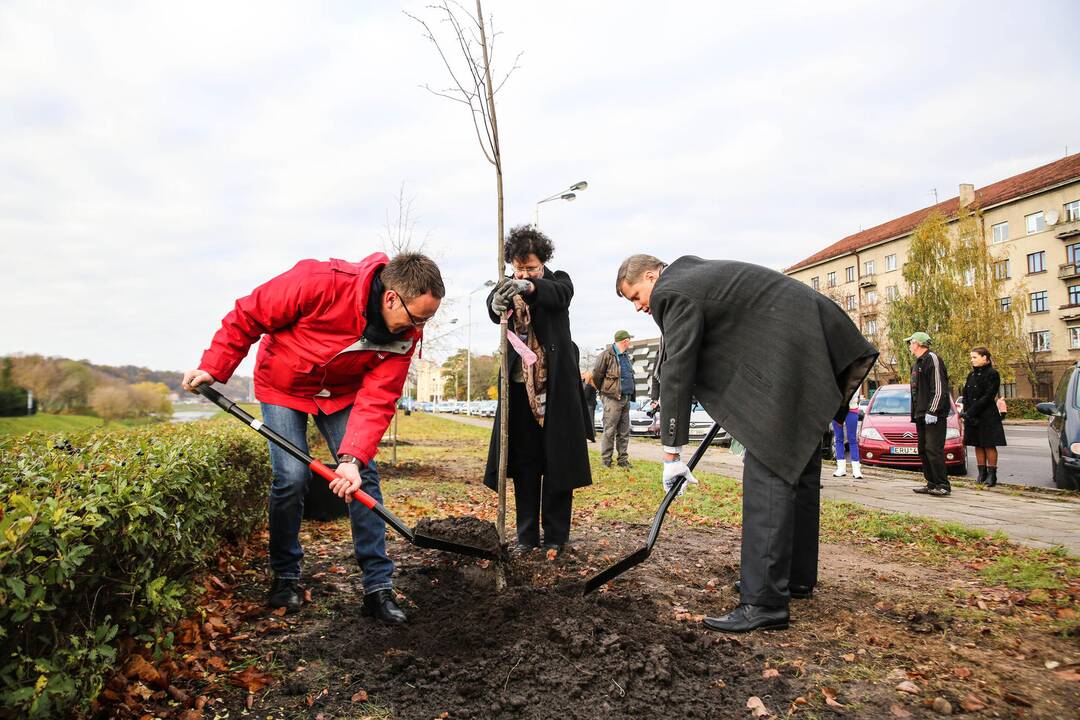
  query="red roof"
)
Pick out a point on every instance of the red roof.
point(1055, 173)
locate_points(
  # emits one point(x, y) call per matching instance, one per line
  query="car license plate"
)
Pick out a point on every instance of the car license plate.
point(904, 450)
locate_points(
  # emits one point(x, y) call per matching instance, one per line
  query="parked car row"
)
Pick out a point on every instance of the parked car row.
point(481, 408)
point(644, 424)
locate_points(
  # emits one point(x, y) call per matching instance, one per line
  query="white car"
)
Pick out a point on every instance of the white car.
point(700, 422)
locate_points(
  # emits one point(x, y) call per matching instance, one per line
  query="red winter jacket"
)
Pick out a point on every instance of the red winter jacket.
point(313, 356)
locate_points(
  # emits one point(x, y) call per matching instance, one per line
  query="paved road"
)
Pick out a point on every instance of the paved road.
point(1026, 459)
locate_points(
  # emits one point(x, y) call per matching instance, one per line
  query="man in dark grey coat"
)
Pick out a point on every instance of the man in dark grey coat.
point(772, 361)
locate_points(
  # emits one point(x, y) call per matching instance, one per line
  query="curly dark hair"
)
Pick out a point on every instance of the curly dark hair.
point(524, 240)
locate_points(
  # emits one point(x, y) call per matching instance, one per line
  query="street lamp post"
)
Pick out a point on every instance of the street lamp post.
point(468, 351)
point(568, 194)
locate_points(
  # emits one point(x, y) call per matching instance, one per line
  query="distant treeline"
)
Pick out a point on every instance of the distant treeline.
point(79, 387)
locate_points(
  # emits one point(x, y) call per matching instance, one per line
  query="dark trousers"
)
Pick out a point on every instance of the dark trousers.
point(932, 452)
point(537, 505)
point(780, 531)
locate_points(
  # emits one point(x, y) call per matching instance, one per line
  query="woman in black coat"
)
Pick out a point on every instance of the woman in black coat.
point(548, 457)
point(982, 421)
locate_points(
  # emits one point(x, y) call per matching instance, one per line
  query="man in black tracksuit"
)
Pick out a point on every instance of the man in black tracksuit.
point(930, 404)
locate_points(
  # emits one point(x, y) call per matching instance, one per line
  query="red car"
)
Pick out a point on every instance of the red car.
point(888, 435)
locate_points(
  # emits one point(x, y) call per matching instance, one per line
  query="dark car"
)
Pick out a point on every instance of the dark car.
point(1063, 430)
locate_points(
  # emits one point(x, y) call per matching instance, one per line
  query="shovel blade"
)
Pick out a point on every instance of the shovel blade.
point(603, 577)
point(433, 543)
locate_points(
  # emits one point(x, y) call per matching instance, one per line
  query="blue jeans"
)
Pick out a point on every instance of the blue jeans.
point(851, 424)
point(290, 486)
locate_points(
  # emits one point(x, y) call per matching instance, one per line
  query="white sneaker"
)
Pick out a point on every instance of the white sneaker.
point(856, 470)
point(840, 468)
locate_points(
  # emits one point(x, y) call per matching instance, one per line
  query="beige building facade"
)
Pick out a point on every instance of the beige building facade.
point(429, 380)
point(1032, 222)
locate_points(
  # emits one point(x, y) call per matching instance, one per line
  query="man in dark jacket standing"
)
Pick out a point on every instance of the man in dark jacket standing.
point(930, 407)
point(337, 340)
point(614, 375)
point(772, 361)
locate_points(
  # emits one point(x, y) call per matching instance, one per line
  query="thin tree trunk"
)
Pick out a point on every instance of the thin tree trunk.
point(504, 384)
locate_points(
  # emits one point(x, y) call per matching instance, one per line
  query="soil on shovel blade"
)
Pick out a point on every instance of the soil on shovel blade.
point(464, 530)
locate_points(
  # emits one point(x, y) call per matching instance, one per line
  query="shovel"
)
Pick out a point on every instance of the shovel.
point(417, 539)
point(638, 556)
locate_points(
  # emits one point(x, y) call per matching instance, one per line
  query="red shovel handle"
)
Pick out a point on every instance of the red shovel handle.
point(329, 475)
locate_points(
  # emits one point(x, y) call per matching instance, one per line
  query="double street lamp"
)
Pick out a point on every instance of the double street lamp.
point(568, 194)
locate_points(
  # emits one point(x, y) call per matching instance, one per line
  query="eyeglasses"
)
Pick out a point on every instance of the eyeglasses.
point(412, 319)
point(531, 270)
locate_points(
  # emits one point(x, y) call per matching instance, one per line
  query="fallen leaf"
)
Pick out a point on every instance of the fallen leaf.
point(908, 687)
point(551, 554)
point(1066, 614)
point(1071, 674)
point(280, 612)
point(360, 696)
point(898, 711)
point(1052, 664)
point(770, 673)
point(307, 595)
point(971, 703)
point(216, 662)
point(757, 707)
point(251, 678)
point(962, 672)
point(849, 657)
point(830, 697)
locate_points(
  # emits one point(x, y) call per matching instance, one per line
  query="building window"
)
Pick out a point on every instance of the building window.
point(1072, 254)
point(1037, 262)
point(1001, 269)
point(814, 283)
point(969, 277)
point(871, 297)
point(1006, 303)
point(1040, 341)
point(830, 279)
point(892, 292)
point(1074, 338)
point(1044, 389)
point(1008, 390)
point(868, 267)
point(849, 302)
point(890, 263)
point(1035, 222)
point(1072, 211)
point(1038, 301)
point(850, 272)
point(1074, 294)
point(871, 327)
point(1000, 232)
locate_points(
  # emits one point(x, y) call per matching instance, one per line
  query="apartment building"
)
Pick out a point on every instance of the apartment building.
point(1032, 221)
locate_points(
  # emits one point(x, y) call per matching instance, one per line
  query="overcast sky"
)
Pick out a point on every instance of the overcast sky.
point(159, 160)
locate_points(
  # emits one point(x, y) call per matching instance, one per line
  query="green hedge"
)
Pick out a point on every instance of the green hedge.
point(1023, 408)
point(100, 537)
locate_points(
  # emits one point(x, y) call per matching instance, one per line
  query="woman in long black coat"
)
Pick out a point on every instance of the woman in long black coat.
point(982, 421)
point(548, 457)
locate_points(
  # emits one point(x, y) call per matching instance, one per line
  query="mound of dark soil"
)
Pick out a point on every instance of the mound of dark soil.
point(539, 649)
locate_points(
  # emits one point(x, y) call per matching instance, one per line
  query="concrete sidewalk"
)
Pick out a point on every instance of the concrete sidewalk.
point(1036, 518)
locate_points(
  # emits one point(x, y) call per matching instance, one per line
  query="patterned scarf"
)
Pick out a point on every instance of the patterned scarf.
point(536, 373)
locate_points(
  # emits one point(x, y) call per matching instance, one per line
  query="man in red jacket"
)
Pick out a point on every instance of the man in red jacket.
point(337, 340)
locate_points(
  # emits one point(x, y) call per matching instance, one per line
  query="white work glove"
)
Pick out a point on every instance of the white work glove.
point(672, 470)
point(931, 419)
point(499, 304)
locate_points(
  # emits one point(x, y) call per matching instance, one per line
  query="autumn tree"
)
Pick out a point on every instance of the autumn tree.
point(112, 402)
point(955, 294)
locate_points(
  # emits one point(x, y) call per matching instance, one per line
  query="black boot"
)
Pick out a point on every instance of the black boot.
point(750, 617)
point(982, 475)
point(991, 476)
point(381, 604)
point(285, 593)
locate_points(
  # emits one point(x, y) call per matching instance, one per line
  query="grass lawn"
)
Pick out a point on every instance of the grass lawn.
point(14, 426)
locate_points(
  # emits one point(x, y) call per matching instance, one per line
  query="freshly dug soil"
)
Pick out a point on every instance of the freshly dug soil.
point(464, 530)
point(533, 651)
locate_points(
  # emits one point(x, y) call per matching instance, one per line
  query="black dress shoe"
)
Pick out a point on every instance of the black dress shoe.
point(285, 593)
point(750, 617)
point(382, 605)
point(798, 592)
point(924, 490)
point(625, 464)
